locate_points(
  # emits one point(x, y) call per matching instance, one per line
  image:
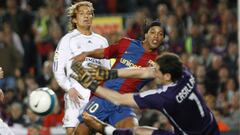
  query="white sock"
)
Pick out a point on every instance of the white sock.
point(108, 130)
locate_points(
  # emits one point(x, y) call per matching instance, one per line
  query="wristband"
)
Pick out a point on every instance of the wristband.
point(113, 74)
point(93, 86)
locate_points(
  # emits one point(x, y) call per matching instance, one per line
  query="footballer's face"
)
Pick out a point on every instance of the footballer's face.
point(154, 37)
point(162, 78)
point(84, 16)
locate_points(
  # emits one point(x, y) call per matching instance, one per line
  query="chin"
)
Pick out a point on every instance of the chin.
point(154, 46)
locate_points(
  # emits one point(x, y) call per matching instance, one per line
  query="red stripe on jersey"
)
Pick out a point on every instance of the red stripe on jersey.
point(118, 49)
point(129, 85)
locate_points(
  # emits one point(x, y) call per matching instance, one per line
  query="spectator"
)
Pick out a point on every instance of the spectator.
point(32, 118)
point(16, 111)
point(16, 41)
point(10, 61)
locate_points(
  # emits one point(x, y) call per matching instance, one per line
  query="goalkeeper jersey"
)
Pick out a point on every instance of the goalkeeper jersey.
point(128, 53)
point(182, 104)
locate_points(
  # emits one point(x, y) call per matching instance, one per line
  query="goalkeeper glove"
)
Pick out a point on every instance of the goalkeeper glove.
point(101, 73)
point(84, 77)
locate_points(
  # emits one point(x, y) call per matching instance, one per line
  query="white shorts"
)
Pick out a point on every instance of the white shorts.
point(4, 129)
point(72, 112)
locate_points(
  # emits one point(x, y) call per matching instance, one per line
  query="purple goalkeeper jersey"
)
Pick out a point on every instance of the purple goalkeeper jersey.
point(181, 103)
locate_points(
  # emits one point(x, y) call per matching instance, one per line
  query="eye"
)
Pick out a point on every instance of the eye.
point(80, 13)
point(152, 32)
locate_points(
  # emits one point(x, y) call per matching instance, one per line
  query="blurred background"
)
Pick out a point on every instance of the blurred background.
point(202, 32)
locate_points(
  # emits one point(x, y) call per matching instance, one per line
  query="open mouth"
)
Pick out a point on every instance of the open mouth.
point(155, 41)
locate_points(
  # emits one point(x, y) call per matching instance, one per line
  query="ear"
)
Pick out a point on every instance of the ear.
point(167, 77)
point(145, 35)
point(74, 20)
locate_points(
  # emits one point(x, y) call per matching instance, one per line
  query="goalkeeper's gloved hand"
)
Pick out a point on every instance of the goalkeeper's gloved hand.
point(83, 77)
point(101, 73)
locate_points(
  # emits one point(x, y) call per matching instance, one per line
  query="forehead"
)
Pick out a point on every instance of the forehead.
point(83, 8)
point(156, 28)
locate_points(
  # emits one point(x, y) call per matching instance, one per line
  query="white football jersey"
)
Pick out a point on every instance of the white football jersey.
point(69, 46)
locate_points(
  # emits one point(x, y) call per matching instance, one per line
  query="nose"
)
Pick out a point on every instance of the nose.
point(85, 15)
point(156, 36)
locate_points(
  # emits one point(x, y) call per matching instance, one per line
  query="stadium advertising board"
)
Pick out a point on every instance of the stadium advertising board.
point(107, 24)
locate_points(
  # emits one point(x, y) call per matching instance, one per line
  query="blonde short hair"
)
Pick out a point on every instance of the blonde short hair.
point(72, 12)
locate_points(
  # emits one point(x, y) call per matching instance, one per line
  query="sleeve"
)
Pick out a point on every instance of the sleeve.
point(106, 62)
point(114, 50)
point(150, 99)
point(61, 58)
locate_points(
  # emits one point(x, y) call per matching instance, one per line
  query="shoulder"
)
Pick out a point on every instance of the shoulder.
point(70, 35)
point(127, 39)
point(65, 40)
point(100, 37)
point(187, 74)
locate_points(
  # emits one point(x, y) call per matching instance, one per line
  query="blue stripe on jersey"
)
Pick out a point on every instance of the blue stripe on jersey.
point(131, 55)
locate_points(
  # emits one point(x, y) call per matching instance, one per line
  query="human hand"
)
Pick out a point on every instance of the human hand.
point(83, 77)
point(153, 64)
point(101, 73)
point(80, 57)
point(74, 96)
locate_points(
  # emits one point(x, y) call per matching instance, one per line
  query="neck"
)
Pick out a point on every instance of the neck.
point(85, 30)
point(168, 82)
point(146, 46)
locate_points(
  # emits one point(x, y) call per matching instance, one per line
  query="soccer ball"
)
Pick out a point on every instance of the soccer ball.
point(42, 101)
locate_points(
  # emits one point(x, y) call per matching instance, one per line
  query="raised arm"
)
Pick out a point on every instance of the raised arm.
point(116, 98)
point(86, 80)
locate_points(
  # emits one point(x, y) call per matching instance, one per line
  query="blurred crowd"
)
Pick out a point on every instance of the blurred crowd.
point(202, 32)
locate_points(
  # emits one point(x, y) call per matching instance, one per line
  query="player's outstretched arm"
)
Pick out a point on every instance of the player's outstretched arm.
point(100, 73)
point(143, 73)
point(86, 80)
point(116, 98)
point(98, 53)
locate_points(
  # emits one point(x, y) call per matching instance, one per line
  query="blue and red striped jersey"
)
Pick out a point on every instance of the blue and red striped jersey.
point(128, 53)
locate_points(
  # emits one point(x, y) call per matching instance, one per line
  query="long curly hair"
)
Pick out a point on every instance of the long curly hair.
point(72, 11)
